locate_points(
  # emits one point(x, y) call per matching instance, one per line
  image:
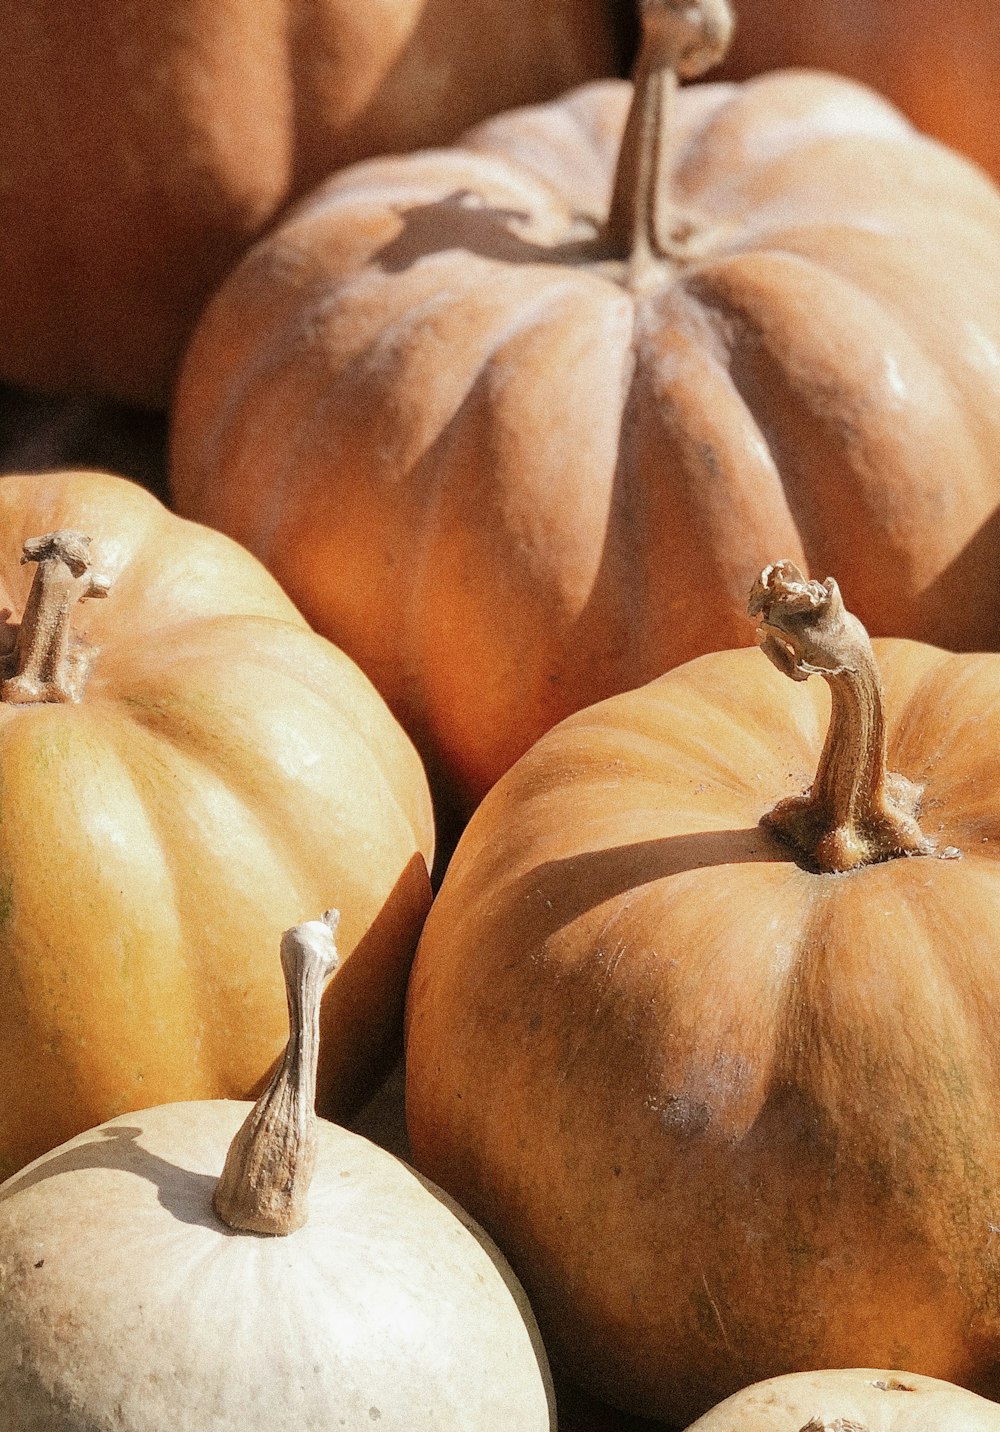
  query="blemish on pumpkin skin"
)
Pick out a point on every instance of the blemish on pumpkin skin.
point(6, 901)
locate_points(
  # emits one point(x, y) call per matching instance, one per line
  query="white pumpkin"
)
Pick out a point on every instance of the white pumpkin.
point(852, 1400)
point(127, 1303)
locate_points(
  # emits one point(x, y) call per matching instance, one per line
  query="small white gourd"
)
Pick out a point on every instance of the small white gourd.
point(129, 1302)
point(852, 1400)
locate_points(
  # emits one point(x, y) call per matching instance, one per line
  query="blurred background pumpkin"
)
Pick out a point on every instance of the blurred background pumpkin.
point(143, 148)
point(937, 62)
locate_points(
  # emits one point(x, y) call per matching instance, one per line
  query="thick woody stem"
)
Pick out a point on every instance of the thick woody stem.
point(856, 812)
point(48, 662)
point(264, 1187)
point(681, 39)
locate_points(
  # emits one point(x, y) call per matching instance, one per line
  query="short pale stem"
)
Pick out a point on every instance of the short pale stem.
point(49, 661)
point(264, 1186)
point(680, 39)
point(856, 812)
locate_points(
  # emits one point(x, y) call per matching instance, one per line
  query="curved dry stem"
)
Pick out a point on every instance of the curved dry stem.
point(856, 812)
point(47, 662)
point(264, 1187)
point(681, 39)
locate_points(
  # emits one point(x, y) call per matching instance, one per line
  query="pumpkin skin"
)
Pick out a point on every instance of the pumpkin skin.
point(852, 1400)
point(728, 1116)
point(140, 155)
point(225, 771)
point(500, 449)
point(937, 63)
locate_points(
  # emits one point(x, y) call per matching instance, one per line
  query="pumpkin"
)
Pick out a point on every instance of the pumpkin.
point(518, 429)
point(133, 1292)
point(184, 766)
point(937, 63)
point(852, 1400)
point(141, 153)
point(715, 1061)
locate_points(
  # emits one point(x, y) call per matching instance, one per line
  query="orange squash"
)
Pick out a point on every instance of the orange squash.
point(937, 62)
point(184, 767)
point(717, 1062)
point(142, 151)
point(517, 428)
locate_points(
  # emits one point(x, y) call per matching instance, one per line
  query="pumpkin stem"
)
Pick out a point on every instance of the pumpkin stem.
point(46, 661)
point(856, 812)
point(264, 1187)
point(681, 39)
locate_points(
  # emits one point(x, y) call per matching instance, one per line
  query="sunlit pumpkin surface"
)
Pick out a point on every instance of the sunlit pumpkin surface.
point(852, 1400)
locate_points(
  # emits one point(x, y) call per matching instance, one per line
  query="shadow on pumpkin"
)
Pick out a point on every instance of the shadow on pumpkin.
point(968, 584)
point(380, 961)
point(183, 1193)
point(43, 434)
point(558, 892)
point(463, 220)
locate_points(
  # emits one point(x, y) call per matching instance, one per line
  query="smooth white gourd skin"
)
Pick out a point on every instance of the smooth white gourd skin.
point(127, 1306)
point(852, 1400)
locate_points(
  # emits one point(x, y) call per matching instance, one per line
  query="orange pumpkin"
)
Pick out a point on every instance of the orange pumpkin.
point(516, 429)
point(937, 62)
point(718, 1063)
point(184, 767)
point(142, 151)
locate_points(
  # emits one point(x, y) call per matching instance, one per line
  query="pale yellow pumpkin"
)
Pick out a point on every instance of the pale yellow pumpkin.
point(222, 771)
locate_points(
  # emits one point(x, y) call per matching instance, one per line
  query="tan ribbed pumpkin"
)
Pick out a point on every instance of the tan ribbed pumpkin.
point(515, 423)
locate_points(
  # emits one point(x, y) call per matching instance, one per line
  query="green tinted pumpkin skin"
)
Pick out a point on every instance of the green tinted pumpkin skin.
point(729, 1116)
point(224, 772)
